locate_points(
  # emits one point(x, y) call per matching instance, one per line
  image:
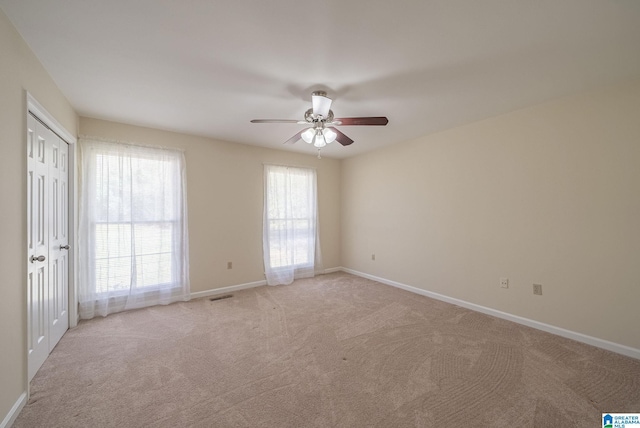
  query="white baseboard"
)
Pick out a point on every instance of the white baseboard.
point(229, 289)
point(594, 341)
point(14, 412)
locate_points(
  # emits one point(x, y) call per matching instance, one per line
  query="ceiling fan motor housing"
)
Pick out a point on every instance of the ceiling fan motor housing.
point(311, 118)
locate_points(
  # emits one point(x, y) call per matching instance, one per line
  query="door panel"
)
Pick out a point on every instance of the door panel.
point(59, 317)
point(38, 271)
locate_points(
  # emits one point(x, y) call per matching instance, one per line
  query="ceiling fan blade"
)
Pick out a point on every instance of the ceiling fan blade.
point(321, 104)
point(341, 138)
point(279, 121)
point(347, 121)
point(295, 138)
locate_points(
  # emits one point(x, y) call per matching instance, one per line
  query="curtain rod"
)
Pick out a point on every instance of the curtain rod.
point(289, 166)
point(126, 143)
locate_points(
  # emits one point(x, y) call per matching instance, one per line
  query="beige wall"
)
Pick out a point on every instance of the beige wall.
point(549, 194)
point(225, 199)
point(19, 71)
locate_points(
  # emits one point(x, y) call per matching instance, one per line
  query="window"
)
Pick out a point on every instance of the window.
point(290, 234)
point(133, 228)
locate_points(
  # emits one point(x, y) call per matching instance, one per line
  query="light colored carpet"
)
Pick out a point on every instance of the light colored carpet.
point(333, 351)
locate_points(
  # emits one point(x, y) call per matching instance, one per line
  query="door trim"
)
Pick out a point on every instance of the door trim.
point(41, 114)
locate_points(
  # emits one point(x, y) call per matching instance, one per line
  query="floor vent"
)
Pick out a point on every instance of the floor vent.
point(226, 296)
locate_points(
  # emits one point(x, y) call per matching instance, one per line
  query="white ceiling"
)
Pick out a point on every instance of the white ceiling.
point(208, 67)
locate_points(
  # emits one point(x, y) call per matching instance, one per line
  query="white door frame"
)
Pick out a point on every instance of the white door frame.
point(43, 115)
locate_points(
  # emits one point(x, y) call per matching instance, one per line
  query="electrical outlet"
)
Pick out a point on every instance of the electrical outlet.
point(229, 265)
point(373, 257)
point(504, 282)
point(537, 289)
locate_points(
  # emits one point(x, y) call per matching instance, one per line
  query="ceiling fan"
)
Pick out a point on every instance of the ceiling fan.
point(322, 130)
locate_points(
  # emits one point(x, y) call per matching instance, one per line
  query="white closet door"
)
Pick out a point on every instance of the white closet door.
point(58, 241)
point(48, 271)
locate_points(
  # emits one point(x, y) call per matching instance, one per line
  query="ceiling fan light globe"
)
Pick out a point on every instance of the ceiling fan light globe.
point(308, 135)
point(319, 141)
point(329, 135)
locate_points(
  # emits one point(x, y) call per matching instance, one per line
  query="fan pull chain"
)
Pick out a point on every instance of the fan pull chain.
point(319, 157)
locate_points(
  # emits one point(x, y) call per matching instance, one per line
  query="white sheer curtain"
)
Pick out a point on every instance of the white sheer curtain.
point(133, 241)
point(290, 229)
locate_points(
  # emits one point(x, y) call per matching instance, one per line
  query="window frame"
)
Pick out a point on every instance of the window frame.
point(129, 186)
point(289, 208)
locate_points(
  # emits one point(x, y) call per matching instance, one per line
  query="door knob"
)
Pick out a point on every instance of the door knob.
point(64, 247)
point(37, 259)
